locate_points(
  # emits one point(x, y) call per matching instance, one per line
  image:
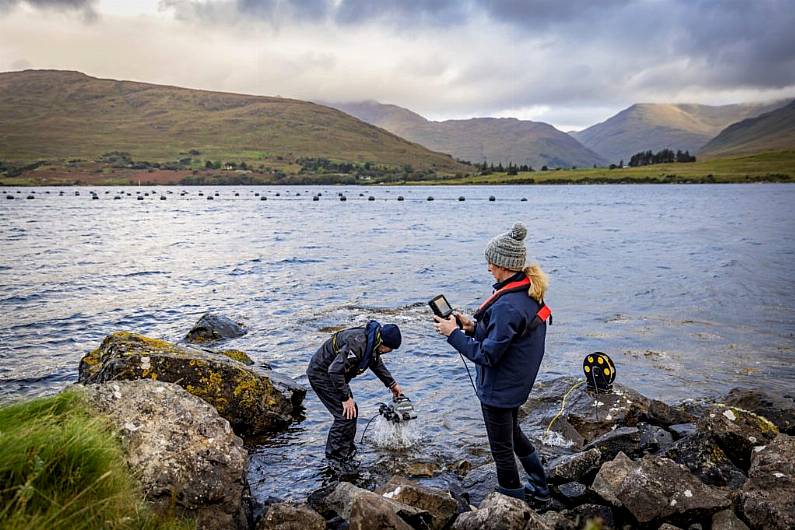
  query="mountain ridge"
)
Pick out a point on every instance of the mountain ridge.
point(494, 140)
point(63, 114)
point(655, 126)
point(774, 130)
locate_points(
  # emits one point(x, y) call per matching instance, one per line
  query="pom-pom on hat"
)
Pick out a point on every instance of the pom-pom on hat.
point(508, 250)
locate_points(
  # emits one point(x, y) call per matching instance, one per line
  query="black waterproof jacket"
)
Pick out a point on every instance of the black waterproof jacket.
point(342, 365)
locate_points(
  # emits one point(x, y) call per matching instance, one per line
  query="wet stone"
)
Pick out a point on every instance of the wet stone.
point(500, 512)
point(572, 492)
point(569, 468)
point(341, 499)
point(287, 516)
point(680, 430)
point(767, 500)
point(778, 408)
point(622, 439)
point(705, 459)
point(439, 504)
point(737, 432)
point(727, 520)
point(479, 483)
point(212, 327)
point(653, 438)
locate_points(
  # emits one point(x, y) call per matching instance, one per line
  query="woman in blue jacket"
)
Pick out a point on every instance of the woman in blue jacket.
point(505, 340)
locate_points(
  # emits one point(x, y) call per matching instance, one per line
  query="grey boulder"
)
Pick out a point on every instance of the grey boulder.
point(569, 468)
point(439, 504)
point(768, 498)
point(183, 453)
point(705, 459)
point(737, 432)
point(500, 512)
point(287, 516)
point(655, 488)
point(342, 498)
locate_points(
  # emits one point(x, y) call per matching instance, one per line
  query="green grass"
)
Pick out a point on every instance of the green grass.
point(776, 166)
point(62, 467)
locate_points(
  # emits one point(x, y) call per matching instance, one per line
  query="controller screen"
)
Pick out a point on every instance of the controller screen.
point(443, 306)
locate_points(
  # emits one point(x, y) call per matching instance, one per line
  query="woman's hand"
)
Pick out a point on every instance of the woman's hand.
point(445, 326)
point(349, 409)
point(466, 323)
point(396, 390)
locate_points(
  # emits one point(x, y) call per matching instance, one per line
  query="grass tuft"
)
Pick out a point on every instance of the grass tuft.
point(62, 467)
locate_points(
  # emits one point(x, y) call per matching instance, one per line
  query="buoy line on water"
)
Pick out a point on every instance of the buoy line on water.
point(184, 196)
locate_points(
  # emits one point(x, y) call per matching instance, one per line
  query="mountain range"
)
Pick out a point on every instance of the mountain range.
point(654, 126)
point(53, 114)
point(496, 140)
point(62, 115)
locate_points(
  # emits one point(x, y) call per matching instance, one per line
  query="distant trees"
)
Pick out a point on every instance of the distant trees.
point(486, 168)
point(666, 156)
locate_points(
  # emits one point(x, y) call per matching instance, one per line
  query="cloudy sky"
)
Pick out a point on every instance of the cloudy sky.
point(569, 63)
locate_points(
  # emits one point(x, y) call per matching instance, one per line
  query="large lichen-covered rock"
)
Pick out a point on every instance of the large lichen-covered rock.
point(212, 327)
point(655, 488)
point(737, 432)
point(500, 512)
point(254, 400)
point(768, 498)
point(185, 456)
point(779, 408)
point(439, 504)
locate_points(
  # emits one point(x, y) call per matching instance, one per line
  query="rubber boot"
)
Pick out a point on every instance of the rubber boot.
point(537, 485)
point(516, 493)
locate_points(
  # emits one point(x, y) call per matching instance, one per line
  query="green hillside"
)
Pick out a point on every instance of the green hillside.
point(60, 115)
point(495, 140)
point(773, 130)
point(773, 166)
point(656, 126)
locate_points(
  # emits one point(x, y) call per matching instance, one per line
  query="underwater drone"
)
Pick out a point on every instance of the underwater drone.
point(400, 411)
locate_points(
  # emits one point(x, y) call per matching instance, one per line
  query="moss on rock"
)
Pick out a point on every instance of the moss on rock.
point(244, 395)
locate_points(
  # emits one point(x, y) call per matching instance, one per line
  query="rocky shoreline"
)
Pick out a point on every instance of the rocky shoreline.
point(615, 460)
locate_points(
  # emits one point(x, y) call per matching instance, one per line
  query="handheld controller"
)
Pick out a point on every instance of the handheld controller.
point(442, 308)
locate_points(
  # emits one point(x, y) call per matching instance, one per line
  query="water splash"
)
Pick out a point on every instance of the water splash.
point(396, 436)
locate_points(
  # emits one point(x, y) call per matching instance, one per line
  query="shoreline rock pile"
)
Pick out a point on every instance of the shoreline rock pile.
point(634, 463)
point(615, 460)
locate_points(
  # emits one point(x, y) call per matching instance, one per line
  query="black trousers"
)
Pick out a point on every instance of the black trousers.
point(505, 440)
point(339, 444)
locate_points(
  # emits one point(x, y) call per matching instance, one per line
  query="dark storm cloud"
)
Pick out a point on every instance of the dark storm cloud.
point(749, 43)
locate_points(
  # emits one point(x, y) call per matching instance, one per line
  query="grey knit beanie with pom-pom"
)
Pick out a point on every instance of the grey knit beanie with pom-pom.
point(508, 250)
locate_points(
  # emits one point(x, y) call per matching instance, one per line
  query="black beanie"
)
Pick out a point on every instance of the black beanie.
point(390, 336)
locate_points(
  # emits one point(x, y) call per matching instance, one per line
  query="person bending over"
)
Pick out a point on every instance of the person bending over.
point(505, 340)
point(342, 357)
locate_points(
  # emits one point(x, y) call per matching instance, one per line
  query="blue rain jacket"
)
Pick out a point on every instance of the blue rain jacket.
point(506, 357)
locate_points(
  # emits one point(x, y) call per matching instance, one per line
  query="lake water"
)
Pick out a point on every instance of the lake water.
point(688, 288)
